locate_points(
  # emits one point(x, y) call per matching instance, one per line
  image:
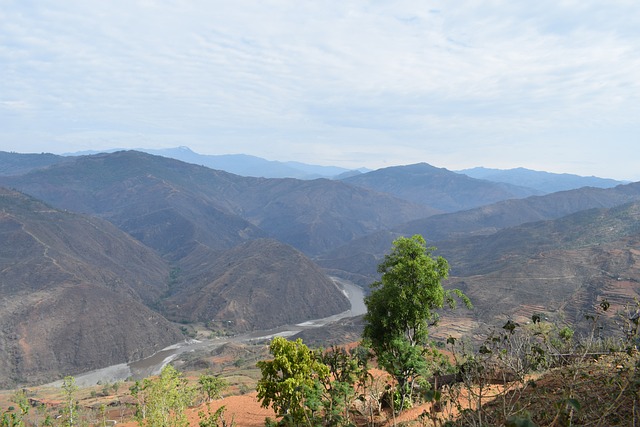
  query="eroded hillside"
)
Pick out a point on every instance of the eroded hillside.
point(74, 293)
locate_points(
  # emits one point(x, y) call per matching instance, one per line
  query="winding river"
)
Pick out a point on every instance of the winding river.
point(154, 364)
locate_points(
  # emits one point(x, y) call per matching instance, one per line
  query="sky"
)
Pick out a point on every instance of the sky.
point(546, 85)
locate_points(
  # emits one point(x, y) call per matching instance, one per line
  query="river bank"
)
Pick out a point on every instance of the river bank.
point(154, 364)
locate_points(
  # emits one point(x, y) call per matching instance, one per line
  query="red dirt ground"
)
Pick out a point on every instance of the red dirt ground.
point(244, 409)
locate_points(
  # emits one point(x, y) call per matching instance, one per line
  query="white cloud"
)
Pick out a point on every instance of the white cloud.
point(402, 80)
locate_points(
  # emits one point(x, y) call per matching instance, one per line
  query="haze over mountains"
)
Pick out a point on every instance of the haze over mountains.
point(544, 182)
point(537, 182)
point(245, 253)
point(242, 164)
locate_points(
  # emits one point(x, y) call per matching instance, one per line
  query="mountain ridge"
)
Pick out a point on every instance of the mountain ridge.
point(545, 182)
point(437, 187)
point(311, 215)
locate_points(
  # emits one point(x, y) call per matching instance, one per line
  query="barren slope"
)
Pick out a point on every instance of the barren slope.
point(73, 292)
point(257, 285)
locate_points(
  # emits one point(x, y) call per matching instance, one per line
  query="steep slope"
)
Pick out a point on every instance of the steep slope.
point(488, 219)
point(318, 215)
point(257, 285)
point(150, 200)
point(545, 182)
point(358, 259)
point(437, 187)
point(562, 267)
point(175, 207)
point(591, 227)
point(74, 291)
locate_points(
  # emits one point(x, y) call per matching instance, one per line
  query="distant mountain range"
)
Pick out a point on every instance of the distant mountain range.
point(174, 207)
point(244, 164)
point(544, 182)
point(522, 182)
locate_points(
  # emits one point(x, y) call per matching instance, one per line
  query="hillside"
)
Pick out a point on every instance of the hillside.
point(358, 259)
point(438, 188)
point(562, 267)
point(74, 293)
point(231, 252)
point(257, 285)
point(174, 207)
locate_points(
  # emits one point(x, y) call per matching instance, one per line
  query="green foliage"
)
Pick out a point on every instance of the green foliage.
point(70, 411)
point(347, 373)
point(212, 386)
point(402, 302)
point(164, 399)
point(215, 419)
point(139, 392)
point(290, 382)
point(401, 307)
point(594, 380)
point(11, 418)
point(566, 333)
point(103, 415)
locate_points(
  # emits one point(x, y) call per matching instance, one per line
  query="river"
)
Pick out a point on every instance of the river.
point(153, 365)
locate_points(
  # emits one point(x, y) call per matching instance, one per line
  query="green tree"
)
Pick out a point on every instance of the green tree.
point(165, 398)
point(139, 392)
point(70, 411)
point(401, 308)
point(212, 386)
point(13, 418)
point(347, 371)
point(291, 382)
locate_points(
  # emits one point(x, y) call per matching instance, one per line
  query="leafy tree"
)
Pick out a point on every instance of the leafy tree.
point(212, 386)
point(401, 308)
point(166, 399)
point(291, 382)
point(347, 370)
point(70, 411)
point(103, 415)
point(139, 392)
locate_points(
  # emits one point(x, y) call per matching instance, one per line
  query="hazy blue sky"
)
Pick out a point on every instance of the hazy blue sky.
point(548, 85)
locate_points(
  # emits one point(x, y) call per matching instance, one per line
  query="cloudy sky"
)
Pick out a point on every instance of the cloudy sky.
point(547, 85)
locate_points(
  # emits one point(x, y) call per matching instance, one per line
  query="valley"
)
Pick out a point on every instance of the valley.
point(153, 364)
point(110, 258)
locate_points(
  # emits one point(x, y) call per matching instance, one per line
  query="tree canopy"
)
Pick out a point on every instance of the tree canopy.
point(290, 381)
point(401, 307)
